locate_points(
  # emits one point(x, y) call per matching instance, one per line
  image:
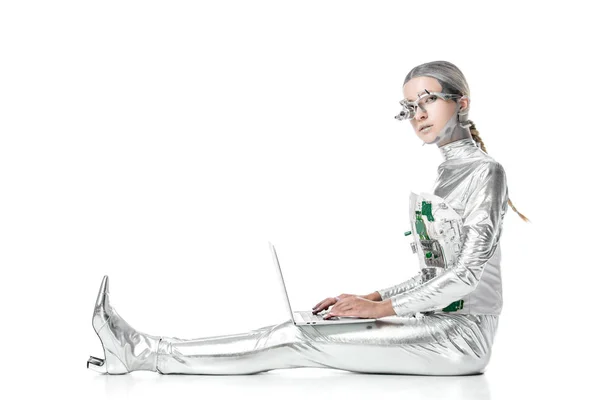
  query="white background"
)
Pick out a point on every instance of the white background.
point(165, 143)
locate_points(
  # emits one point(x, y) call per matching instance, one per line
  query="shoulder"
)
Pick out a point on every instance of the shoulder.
point(492, 166)
point(489, 165)
point(491, 172)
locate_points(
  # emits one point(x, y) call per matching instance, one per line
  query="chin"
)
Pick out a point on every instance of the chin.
point(429, 138)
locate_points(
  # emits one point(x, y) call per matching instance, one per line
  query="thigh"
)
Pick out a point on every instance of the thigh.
point(436, 344)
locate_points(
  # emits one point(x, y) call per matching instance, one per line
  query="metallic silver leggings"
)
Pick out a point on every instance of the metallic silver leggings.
point(435, 344)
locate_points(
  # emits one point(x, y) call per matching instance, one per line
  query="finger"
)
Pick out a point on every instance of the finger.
point(318, 304)
point(328, 301)
point(343, 313)
point(334, 314)
point(318, 310)
point(323, 305)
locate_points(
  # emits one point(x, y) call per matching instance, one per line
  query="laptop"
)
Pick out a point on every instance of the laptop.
point(307, 317)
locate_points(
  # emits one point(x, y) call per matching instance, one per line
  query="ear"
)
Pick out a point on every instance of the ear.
point(465, 102)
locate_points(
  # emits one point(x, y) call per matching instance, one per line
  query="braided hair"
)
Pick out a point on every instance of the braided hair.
point(477, 139)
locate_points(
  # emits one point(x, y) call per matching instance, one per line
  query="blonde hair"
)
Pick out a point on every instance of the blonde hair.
point(453, 81)
point(477, 139)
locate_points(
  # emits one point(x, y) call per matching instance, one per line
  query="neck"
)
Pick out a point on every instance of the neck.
point(460, 148)
point(459, 132)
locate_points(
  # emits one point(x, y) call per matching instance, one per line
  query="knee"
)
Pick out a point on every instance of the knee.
point(283, 333)
point(470, 365)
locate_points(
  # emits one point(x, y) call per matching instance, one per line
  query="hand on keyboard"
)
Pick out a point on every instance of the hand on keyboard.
point(325, 304)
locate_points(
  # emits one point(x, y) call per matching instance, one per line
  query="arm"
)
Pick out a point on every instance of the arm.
point(409, 284)
point(482, 226)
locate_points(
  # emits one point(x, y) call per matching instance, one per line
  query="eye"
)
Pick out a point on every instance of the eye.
point(431, 99)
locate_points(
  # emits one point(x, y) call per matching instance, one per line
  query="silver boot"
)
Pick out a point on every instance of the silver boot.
point(125, 349)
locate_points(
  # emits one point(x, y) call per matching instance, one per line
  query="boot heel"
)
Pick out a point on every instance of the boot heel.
point(97, 364)
point(112, 365)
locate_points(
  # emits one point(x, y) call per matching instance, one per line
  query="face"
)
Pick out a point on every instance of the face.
point(438, 111)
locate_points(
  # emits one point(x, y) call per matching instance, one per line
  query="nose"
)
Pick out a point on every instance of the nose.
point(420, 114)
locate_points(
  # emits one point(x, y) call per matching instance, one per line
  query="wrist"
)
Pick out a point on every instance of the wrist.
point(375, 296)
point(386, 309)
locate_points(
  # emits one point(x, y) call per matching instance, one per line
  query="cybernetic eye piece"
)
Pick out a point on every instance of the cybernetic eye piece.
point(424, 98)
point(408, 110)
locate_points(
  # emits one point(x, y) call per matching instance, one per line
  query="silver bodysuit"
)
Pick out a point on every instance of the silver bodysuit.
point(447, 315)
point(474, 185)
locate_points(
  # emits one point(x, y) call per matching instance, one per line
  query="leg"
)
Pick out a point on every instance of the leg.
point(270, 347)
point(438, 344)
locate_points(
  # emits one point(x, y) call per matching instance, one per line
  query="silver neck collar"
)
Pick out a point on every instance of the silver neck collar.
point(462, 148)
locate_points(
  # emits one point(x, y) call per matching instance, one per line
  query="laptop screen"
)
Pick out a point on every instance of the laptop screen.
point(280, 275)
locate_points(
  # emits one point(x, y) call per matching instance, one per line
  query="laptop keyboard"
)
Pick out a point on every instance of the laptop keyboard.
point(309, 316)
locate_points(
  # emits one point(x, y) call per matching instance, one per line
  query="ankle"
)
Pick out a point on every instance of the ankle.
point(148, 358)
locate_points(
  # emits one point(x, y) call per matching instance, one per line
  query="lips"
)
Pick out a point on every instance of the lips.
point(423, 127)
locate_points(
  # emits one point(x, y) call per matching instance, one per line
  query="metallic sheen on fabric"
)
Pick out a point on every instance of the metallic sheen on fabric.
point(433, 345)
point(474, 185)
point(412, 342)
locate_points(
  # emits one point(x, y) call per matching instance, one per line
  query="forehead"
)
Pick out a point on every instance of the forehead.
point(418, 84)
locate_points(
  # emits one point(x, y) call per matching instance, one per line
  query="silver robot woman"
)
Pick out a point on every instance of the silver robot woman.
point(446, 315)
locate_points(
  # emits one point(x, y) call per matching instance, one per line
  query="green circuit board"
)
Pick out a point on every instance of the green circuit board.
point(457, 305)
point(419, 223)
point(426, 210)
